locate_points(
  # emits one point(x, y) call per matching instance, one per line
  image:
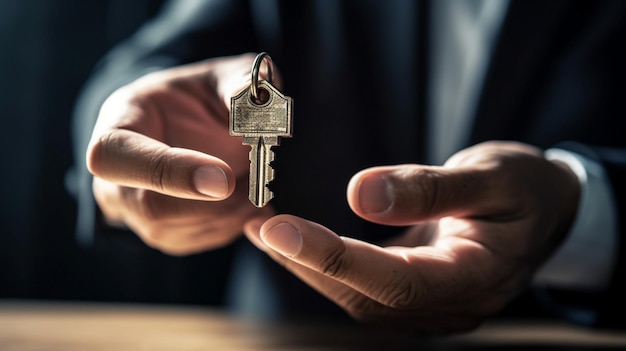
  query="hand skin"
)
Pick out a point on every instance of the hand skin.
point(480, 226)
point(163, 162)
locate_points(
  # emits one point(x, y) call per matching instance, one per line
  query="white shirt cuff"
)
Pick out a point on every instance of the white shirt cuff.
point(586, 258)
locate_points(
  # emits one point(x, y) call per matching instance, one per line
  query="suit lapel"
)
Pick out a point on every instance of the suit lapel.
point(527, 46)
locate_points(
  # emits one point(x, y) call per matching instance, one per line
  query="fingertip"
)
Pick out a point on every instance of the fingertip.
point(370, 192)
point(299, 239)
point(282, 235)
point(213, 181)
point(93, 155)
point(352, 192)
point(288, 235)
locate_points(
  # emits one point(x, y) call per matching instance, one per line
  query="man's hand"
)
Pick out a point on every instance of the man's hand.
point(164, 163)
point(481, 225)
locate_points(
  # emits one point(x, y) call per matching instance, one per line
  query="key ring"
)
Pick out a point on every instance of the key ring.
point(256, 65)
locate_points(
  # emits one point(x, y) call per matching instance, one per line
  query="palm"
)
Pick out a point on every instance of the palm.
point(480, 226)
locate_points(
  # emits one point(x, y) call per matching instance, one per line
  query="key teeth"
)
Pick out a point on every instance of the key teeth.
point(269, 194)
point(261, 171)
point(270, 170)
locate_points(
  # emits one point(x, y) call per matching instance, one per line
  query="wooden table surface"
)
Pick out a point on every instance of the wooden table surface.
point(56, 326)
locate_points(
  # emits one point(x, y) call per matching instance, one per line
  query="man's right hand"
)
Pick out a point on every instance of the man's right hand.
point(163, 162)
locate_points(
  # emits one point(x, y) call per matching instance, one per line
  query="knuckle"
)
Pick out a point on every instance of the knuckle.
point(334, 264)
point(431, 187)
point(159, 171)
point(420, 190)
point(403, 295)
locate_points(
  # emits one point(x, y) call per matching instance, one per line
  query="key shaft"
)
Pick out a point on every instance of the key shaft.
point(261, 172)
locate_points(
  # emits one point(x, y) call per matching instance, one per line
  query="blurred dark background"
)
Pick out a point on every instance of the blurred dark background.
point(48, 50)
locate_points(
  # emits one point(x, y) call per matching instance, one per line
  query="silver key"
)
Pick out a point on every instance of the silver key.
point(261, 124)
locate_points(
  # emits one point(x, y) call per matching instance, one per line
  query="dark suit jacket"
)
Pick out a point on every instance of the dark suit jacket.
point(357, 71)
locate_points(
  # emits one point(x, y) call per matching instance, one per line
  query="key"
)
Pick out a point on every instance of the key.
point(261, 124)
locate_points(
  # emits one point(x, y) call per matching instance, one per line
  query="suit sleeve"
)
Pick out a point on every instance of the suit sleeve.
point(605, 308)
point(611, 307)
point(183, 32)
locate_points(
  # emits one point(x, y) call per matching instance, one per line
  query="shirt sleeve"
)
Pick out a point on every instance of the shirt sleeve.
point(586, 258)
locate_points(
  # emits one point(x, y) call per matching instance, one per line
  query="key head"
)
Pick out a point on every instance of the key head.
point(272, 118)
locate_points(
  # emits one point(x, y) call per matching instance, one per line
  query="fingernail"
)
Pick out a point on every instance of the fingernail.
point(283, 238)
point(211, 181)
point(374, 194)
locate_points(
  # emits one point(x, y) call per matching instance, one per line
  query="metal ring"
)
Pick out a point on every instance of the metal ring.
point(256, 65)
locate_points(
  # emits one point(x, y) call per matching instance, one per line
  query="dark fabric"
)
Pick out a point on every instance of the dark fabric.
point(357, 73)
point(612, 310)
point(48, 51)
point(606, 307)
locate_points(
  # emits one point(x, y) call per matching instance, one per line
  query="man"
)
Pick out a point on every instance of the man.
point(377, 84)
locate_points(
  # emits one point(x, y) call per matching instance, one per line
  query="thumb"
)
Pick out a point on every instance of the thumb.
point(408, 194)
point(131, 159)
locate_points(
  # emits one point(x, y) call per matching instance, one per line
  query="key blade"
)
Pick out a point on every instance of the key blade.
point(261, 172)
